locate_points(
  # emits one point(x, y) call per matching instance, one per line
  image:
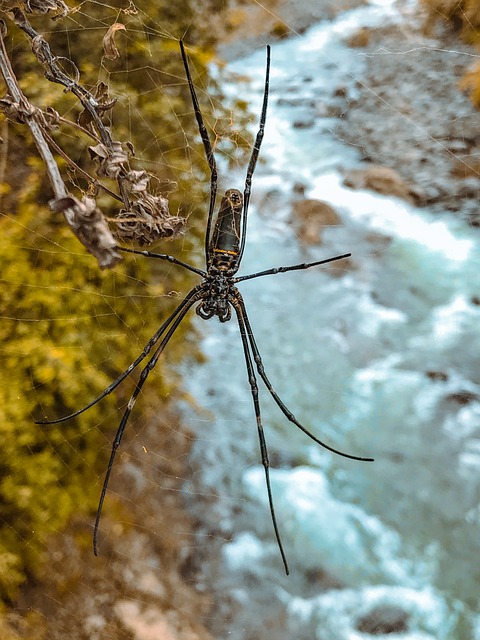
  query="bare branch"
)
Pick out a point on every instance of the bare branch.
point(91, 230)
point(94, 184)
point(55, 73)
point(155, 221)
point(144, 217)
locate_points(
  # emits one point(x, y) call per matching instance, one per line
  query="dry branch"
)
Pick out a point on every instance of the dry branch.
point(144, 217)
point(93, 234)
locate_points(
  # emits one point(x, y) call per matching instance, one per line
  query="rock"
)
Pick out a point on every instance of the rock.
point(385, 181)
point(331, 109)
point(360, 38)
point(144, 624)
point(462, 397)
point(384, 619)
point(303, 124)
point(469, 188)
point(409, 114)
point(437, 375)
point(309, 218)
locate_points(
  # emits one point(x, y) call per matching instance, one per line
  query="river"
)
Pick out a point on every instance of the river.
point(379, 358)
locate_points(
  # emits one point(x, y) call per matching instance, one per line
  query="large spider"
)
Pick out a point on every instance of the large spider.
point(216, 295)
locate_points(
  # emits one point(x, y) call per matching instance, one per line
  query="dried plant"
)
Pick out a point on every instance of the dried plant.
point(143, 217)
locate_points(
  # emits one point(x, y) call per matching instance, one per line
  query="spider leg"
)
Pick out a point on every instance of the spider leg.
point(242, 313)
point(294, 267)
point(131, 403)
point(261, 436)
point(208, 152)
point(164, 256)
point(153, 340)
point(254, 157)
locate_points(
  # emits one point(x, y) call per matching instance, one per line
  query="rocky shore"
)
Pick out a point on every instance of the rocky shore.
point(410, 114)
point(410, 118)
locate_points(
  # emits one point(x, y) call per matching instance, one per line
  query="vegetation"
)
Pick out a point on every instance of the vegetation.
point(68, 329)
point(464, 16)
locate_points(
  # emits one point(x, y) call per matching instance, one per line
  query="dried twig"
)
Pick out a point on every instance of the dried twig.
point(92, 231)
point(36, 6)
point(95, 184)
point(144, 217)
point(93, 105)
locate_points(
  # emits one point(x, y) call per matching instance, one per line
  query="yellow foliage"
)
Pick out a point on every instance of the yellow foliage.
point(464, 15)
point(67, 330)
point(236, 18)
point(470, 83)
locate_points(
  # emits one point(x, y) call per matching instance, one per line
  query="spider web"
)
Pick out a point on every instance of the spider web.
point(384, 362)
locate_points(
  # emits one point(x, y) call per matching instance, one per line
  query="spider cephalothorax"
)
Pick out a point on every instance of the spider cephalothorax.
point(216, 295)
point(218, 291)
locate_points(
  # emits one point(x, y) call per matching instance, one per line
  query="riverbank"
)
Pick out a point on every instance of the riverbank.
point(409, 112)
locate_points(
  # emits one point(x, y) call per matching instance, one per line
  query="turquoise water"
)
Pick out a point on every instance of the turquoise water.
point(381, 360)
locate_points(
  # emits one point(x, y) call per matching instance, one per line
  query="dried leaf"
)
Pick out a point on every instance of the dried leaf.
point(85, 120)
point(90, 227)
point(52, 118)
point(112, 161)
point(101, 103)
point(137, 181)
point(102, 98)
point(131, 10)
point(148, 220)
point(109, 45)
point(35, 6)
point(11, 109)
point(20, 111)
point(38, 46)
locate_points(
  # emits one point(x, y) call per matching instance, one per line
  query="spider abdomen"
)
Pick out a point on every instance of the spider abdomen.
point(225, 242)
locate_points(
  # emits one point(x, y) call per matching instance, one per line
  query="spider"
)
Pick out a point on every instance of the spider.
point(216, 295)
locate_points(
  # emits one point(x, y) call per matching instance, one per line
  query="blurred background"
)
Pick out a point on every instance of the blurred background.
point(371, 147)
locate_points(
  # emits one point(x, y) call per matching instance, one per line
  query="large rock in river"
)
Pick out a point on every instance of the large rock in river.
point(310, 217)
point(383, 180)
